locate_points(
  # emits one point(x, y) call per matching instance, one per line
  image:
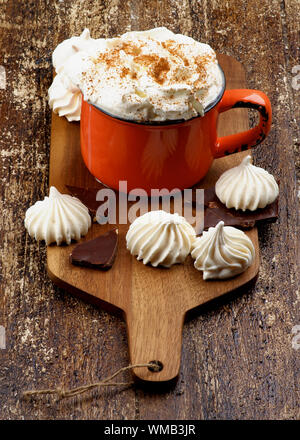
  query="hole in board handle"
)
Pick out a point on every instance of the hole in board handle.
point(157, 368)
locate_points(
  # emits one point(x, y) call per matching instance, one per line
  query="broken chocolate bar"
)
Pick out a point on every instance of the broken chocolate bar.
point(98, 253)
point(215, 210)
point(87, 196)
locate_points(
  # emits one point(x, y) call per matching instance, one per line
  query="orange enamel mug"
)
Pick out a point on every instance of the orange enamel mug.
point(167, 155)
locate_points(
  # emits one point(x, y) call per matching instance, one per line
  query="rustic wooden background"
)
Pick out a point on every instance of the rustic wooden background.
point(238, 361)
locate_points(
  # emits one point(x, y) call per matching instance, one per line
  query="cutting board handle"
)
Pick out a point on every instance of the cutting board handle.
point(155, 336)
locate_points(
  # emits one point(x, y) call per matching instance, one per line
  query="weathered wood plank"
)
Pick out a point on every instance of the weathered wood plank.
point(51, 337)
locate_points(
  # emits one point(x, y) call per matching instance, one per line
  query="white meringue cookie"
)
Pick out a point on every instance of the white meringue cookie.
point(65, 98)
point(58, 218)
point(222, 252)
point(246, 187)
point(160, 238)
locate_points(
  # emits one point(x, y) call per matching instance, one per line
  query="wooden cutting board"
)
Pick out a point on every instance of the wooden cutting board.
point(153, 301)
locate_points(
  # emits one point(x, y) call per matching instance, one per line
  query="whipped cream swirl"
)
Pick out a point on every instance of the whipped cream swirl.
point(152, 75)
point(58, 218)
point(65, 50)
point(246, 187)
point(65, 98)
point(160, 238)
point(222, 252)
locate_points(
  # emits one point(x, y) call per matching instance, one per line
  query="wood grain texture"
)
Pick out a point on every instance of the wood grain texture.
point(244, 363)
point(154, 301)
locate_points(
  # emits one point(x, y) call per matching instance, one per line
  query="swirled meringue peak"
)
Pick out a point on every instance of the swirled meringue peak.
point(222, 252)
point(58, 218)
point(246, 187)
point(70, 47)
point(65, 98)
point(160, 238)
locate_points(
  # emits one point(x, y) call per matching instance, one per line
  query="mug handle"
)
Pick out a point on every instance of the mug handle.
point(244, 98)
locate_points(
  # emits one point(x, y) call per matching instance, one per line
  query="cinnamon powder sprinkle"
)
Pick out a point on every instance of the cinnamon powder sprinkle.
point(201, 62)
point(112, 57)
point(125, 71)
point(174, 49)
point(157, 66)
point(130, 49)
point(159, 70)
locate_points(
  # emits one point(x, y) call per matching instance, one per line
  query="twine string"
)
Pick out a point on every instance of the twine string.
point(107, 382)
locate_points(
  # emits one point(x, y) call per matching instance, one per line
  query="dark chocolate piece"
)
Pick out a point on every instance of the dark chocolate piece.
point(215, 211)
point(87, 196)
point(98, 253)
